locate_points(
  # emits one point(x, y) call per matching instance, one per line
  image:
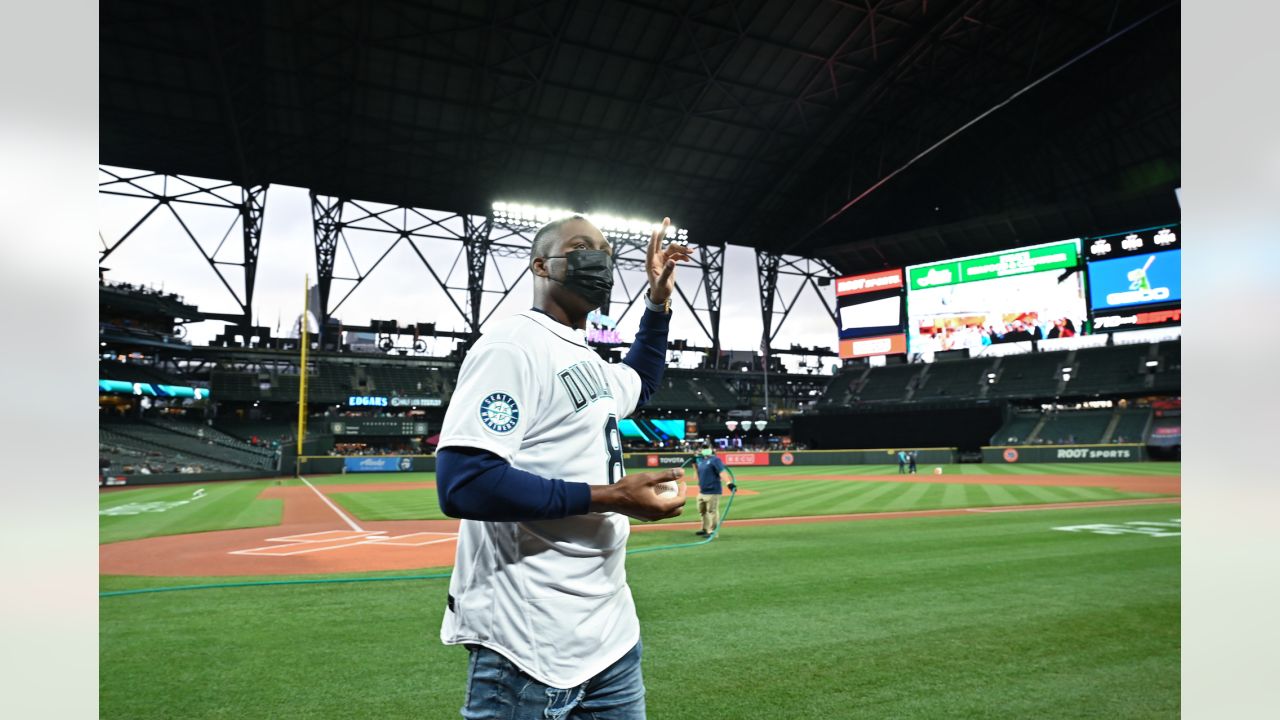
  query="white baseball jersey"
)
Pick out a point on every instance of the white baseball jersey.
point(550, 595)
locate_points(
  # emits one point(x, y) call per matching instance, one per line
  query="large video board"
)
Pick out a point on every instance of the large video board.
point(1029, 293)
point(870, 314)
point(1135, 280)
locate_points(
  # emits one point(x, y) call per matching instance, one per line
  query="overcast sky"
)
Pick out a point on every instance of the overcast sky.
point(159, 254)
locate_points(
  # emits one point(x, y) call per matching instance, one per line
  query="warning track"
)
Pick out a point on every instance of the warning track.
point(313, 539)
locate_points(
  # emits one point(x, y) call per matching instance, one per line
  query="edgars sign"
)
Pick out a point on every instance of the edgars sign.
point(367, 401)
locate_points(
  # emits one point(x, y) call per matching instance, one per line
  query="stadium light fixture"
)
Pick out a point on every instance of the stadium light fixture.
point(1152, 363)
point(533, 216)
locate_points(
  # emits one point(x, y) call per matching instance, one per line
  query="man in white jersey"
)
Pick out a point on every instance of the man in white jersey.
point(531, 459)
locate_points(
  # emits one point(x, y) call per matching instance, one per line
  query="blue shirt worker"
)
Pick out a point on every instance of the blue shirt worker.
point(902, 462)
point(711, 473)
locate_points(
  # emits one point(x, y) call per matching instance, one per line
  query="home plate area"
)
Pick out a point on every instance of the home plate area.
point(335, 539)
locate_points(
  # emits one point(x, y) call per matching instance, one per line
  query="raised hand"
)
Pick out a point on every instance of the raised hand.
point(660, 263)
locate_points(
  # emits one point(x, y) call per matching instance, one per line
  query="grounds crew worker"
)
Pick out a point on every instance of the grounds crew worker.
point(711, 472)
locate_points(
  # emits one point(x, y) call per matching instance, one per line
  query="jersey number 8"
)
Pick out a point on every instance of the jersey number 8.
point(613, 444)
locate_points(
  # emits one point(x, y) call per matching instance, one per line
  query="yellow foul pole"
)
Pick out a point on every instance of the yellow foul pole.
point(302, 365)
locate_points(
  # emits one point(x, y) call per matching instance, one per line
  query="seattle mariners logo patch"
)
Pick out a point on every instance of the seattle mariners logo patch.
point(499, 413)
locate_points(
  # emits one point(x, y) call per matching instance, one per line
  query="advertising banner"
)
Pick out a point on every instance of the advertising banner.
point(883, 456)
point(870, 307)
point(871, 282)
point(665, 460)
point(1004, 454)
point(377, 464)
point(744, 458)
point(866, 347)
point(1022, 261)
point(1130, 320)
point(152, 389)
point(1145, 279)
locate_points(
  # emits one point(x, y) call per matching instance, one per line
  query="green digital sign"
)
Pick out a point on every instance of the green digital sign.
point(1023, 261)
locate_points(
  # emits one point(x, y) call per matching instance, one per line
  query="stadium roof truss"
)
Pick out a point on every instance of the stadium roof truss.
point(869, 134)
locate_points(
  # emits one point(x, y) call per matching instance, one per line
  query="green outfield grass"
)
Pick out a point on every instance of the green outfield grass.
point(174, 509)
point(980, 615)
point(791, 497)
point(783, 492)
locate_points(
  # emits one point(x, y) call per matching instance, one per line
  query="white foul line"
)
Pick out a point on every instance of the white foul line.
point(341, 514)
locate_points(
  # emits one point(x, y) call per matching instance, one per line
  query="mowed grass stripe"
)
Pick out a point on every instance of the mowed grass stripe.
point(1043, 493)
point(911, 497)
point(224, 506)
point(998, 495)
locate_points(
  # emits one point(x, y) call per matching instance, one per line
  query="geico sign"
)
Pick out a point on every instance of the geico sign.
point(1091, 454)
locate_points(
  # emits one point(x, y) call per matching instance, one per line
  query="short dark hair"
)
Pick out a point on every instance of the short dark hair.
point(546, 235)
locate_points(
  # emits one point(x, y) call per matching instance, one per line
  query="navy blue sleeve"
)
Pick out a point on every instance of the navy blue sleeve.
point(475, 484)
point(648, 354)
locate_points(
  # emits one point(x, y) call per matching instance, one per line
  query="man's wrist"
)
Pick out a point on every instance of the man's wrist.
point(602, 498)
point(662, 307)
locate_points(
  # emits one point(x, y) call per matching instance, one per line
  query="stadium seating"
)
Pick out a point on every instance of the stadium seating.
point(1017, 428)
point(334, 382)
point(886, 384)
point(135, 372)
point(1028, 376)
point(147, 437)
point(266, 430)
point(1117, 369)
point(201, 431)
point(952, 380)
point(1168, 377)
point(127, 452)
point(838, 393)
point(1131, 427)
point(1073, 427)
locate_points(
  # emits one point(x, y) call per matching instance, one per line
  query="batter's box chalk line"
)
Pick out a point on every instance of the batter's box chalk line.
point(336, 539)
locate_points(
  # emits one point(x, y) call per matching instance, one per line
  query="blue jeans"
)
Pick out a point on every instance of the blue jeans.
point(498, 690)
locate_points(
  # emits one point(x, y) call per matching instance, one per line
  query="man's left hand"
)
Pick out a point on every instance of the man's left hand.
point(660, 264)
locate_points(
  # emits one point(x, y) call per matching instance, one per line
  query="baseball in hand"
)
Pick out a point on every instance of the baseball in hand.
point(671, 488)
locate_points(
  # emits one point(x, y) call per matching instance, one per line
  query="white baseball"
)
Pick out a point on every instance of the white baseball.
point(669, 489)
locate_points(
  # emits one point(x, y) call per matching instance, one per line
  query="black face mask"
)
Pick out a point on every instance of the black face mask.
point(589, 274)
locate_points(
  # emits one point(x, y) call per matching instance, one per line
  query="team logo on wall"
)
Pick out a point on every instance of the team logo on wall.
point(787, 458)
point(1010, 455)
point(499, 413)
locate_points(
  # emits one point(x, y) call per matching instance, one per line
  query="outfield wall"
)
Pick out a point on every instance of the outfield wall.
point(1007, 454)
point(337, 464)
point(880, 456)
point(168, 478)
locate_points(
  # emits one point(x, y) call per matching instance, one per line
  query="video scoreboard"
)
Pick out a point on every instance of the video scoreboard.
point(1051, 291)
